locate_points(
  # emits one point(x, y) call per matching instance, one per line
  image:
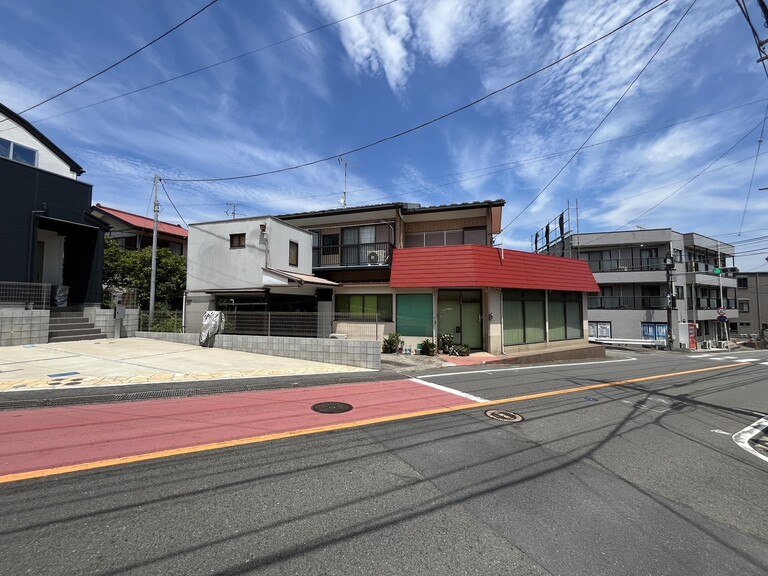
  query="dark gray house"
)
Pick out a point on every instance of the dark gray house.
point(48, 235)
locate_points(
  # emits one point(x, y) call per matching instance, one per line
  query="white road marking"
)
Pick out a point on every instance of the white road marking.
point(494, 370)
point(747, 360)
point(743, 437)
point(449, 390)
point(718, 431)
point(764, 363)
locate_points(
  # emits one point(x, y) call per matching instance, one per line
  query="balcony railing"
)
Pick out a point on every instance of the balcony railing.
point(369, 254)
point(627, 302)
point(626, 265)
point(713, 304)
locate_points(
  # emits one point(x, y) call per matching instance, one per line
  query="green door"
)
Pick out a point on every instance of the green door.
point(472, 324)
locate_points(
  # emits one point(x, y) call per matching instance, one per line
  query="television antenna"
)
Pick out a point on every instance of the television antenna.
point(234, 211)
point(343, 199)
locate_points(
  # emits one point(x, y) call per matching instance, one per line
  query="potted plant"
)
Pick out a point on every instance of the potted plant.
point(445, 341)
point(428, 347)
point(391, 343)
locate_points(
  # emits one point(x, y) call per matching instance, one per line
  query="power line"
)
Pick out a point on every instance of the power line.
point(754, 167)
point(172, 204)
point(214, 65)
point(433, 120)
point(702, 171)
point(110, 67)
point(615, 105)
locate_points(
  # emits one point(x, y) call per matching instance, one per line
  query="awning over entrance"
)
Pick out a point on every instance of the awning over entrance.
point(468, 266)
point(273, 277)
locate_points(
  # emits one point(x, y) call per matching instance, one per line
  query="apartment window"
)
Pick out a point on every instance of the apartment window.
point(678, 255)
point(293, 253)
point(742, 283)
point(330, 244)
point(743, 306)
point(17, 152)
point(680, 292)
point(237, 240)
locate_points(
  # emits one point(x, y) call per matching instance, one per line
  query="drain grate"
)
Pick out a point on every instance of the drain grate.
point(504, 415)
point(332, 407)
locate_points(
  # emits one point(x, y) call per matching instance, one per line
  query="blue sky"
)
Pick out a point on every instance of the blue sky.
point(679, 150)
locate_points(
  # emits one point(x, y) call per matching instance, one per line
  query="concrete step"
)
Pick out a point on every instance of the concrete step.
point(99, 336)
point(72, 326)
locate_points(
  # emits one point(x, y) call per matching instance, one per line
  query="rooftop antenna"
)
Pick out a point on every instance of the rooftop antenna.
point(343, 200)
point(234, 211)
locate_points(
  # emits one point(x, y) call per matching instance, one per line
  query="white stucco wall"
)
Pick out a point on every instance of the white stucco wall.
point(46, 160)
point(212, 264)
point(53, 256)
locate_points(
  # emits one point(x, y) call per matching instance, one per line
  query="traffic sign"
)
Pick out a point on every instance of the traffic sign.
point(722, 319)
point(721, 311)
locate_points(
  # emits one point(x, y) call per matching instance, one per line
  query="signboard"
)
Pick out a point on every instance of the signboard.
point(722, 319)
point(692, 344)
point(721, 311)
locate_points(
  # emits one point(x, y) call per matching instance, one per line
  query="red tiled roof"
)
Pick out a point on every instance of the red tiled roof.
point(468, 266)
point(144, 223)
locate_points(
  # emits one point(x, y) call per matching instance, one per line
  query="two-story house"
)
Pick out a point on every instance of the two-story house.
point(426, 271)
point(134, 232)
point(48, 234)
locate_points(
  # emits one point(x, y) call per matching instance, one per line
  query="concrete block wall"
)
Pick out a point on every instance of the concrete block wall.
point(104, 320)
point(363, 354)
point(18, 327)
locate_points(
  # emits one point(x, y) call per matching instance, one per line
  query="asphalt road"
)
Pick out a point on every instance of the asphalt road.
point(638, 479)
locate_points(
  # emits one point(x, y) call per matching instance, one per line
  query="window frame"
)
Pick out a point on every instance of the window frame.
point(237, 241)
point(13, 146)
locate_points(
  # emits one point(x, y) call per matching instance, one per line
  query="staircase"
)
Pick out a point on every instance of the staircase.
point(70, 325)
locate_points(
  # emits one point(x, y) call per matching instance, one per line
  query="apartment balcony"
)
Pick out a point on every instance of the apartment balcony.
point(627, 302)
point(374, 254)
point(713, 304)
point(627, 265)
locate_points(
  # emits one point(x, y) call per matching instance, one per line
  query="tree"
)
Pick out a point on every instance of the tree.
point(131, 269)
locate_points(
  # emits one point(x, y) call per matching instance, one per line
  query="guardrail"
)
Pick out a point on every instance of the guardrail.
point(659, 343)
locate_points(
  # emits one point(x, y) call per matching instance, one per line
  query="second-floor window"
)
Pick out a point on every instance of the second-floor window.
point(742, 283)
point(17, 152)
point(237, 240)
point(293, 253)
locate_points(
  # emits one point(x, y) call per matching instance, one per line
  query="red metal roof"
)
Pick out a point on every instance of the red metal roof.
point(144, 223)
point(468, 266)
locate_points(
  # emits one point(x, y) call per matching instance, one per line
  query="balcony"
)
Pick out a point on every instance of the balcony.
point(627, 302)
point(627, 265)
point(353, 255)
point(713, 304)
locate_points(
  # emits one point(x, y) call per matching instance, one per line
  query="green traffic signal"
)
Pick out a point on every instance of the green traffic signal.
point(718, 271)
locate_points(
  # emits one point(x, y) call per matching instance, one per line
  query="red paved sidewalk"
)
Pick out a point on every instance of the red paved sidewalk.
point(54, 437)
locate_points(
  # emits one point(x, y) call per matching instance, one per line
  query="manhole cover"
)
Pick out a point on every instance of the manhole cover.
point(332, 407)
point(504, 415)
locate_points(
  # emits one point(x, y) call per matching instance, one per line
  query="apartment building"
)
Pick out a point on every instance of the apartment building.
point(637, 271)
point(752, 300)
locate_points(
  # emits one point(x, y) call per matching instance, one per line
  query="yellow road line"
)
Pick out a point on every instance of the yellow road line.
point(335, 427)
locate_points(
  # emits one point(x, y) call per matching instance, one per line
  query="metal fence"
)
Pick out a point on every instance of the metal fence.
point(25, 295)
point(292, 324)
point(162, 321)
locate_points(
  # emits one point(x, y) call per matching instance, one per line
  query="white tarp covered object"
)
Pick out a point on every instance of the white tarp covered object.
point(213, 323)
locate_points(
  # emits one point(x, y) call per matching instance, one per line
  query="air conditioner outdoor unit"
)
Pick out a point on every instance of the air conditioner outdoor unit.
point(376, 257)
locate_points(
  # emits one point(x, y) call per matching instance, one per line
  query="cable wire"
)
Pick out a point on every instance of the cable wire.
point(754, 167)
point(615, 105)
point(110, 67)
point(433, 120)
point(172, 204)
point(214, 65)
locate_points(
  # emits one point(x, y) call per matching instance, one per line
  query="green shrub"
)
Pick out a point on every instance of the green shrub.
point(428, 347)
point(460, 350)
point(391, 343)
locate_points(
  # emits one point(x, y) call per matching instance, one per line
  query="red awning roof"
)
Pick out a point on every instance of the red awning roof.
point(468, 266)
point(143, 223)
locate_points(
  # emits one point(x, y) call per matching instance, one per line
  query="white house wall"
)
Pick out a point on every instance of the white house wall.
point(212, 264)
point(46, 160)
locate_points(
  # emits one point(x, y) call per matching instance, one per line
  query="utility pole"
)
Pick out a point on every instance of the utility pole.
point(153, 277)
point(669, 263)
